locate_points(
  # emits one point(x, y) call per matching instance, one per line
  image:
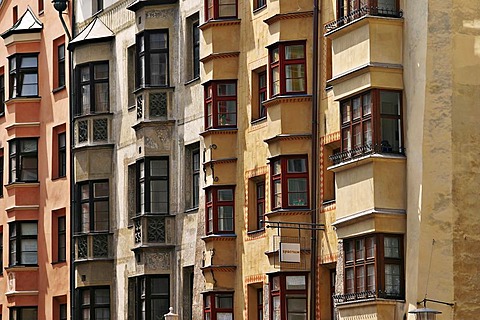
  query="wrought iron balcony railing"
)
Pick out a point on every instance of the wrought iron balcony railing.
point(154, 230)
point(363, 150)
point(365, 295)
point(363, 11)
point(93, 246)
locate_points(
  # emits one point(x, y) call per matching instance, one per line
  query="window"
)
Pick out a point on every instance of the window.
point(194, 46)
point(287, 68)
point(97, 5)
point(1, 251)
point(23, 243)
point(257, 4)
point(93, 303)
point(195, 178)
point(23, 313)
point(289, 177)
point(2, 92)
point(259, 89)
point(218, 306)
point(15, 14)
point(260, 203)
point(23, 160)
point(220, 210)
point(372, 121)
point(63, 311)
point(221, 104)
point(40, 6)
point(62, 154)
point(61, 65)
point(23, 75)
point(1, 172)
point(131, 57)
point(360, 7)
point(260, 304)
point(92, 88)
point(374, 266)
point(220, 9)
point(152, 294)
point(288, 296)
point(93, 206)
point(62, 238)
point(153, 186)
point(152, 59)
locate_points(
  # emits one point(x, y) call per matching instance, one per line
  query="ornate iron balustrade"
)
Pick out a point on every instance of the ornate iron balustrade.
point(363, 11)
point(153, 104)
point(153, 230)
point(365, 295)
point(92, 130)
point(92, 246)
point(363, 150)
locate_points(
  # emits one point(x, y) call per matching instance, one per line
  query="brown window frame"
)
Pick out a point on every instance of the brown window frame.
point(145, 53)
point(92, 304)
point(91, 200)
point(277, 59)
point(210, 308)
point(262, 94)
point(377, 260)
point(279, 289)
point(260, 304)
point(212, 204)
point(17, 76)
point(212, 9)
point(214, 112)
point(2, 92)
point(259, 4)
point(260, 197)
point(91, 84)
point(282, 176)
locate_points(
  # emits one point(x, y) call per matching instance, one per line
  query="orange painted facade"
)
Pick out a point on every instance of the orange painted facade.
point(35, 188)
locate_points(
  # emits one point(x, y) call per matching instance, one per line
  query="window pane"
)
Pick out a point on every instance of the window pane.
point(356, 108)
point(392, 279)
point(296, 165)
point(101, 97)
point(295, 77)
point(100, 189)
point(357, 136)
point(367, 104)
point(225, 218)
point(390, 131)
point(227, 113)
point(277, 167)
point(225, 195)
point(276, 308)
point(159, 286)
point(102, 296)
point(102, 314)
point(227, 8)
point(85, 92)
point(85, 218)
point(360, 249)
point(389, 102)
point(224, 316)
point(100, 71)
point(370, 247)
point(28, 145)
point(158, 69)
point(297, 305)
point(349, 287)
point(29, 169)
point(159, 196)
point(158, 308)
point(297, 192)
point(28, 62)
point(367, 132)
point(360, 279)
point(389, 5)
point(101, 216)
point(275, 80)
point(223, 301)
point(158, 41)
point(295, 282)
point(159, 168)
point(391, 247)
point(345, 113)
point(29, 229)
point(226, 89)
point(29, 83)
point(370, 277)
point(277, 193)
point(348, 248)
point(294, 52)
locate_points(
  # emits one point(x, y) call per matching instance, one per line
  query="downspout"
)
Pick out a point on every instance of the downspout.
point(315, 161)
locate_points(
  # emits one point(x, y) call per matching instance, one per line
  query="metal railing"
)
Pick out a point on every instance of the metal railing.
point(365, 295)
point(363, 11)
point(363, 150)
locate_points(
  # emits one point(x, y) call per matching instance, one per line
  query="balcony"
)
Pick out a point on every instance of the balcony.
point(363, 11)
point(369, 304)
point(93, 246)
point(366, 295)
point(93, 130)
point(154, 230)
point(364, 150)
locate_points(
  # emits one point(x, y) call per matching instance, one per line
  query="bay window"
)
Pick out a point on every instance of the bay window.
point(152, 59)
point(23, 75)
point(23, 160)
point(23, 243)
point(220, 9)
point(221, 104)
point(288, 296)
point(92, 86)
point(371, 121)
point(218, 306)
point(220, 212)
point(289, 181)
point(93, 303)
point(152, 186)
point(152, 296)
point(287, 68)
point(374, 267)
point(93, 206)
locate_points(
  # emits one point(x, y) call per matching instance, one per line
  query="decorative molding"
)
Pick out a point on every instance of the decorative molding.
point(219, 55)
point(219, 23)
point(288, 16)
point(287, 99)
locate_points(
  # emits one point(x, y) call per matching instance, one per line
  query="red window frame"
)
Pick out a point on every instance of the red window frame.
point(262, 94)
point(280, 292)
point(279, 60)
point(260, 304)
point(260, 203)
point(212, 213)
point(213, 9)
point(365, 262)
point(211, 305)
point(361, 119)
point(218, 104)
point(280, 178)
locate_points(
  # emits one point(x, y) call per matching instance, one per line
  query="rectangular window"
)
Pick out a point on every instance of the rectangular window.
point(62, 154)
point(371, 122)
point(287, 68)
point(195, 178)
point(23, 75)
point(2, 163)
point(218, 306)
point(62, 238)
point(374, 267)
point(93, 206)
point(220, 215)
point(288, 293)
point(63, 311)
point(152, 295)
point(40, 6)
point(93, 303)
point(262, 94)
point(2, 92)
point(153, 186)
point(23, 162)
point(260, 201)
point(61, 65)
point(260, 304)
point(258, 4)
point(194, 46)
point(23, 313)
point(92, 85)
point(289, 177)
point(1, 251)
point(220, 9)
point(23, 243)
point(221, 104)
point(152, 59)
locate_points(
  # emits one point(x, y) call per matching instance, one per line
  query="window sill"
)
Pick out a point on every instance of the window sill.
point(255, 232)
point(150, 87)
point(189, 82)
point(93, 114)
point(56, 90)
point(59, 178)
point(192, 210)
point(210, 237)
point(59, 263)
point(22, 184)
point(22, 267)
point(258, 120)
point(257, 10)
point(20, 99)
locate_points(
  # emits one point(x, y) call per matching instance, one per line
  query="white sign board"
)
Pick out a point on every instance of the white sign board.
point(289, 252)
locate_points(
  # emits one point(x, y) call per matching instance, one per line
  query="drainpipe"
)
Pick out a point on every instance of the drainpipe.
point(315, 161)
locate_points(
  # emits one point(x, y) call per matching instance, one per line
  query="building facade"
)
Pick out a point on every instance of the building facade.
point(34, 225)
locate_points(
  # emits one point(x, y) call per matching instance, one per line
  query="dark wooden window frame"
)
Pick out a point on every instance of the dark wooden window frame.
point(17, 75)
point(92, 305)
point(62, 238)
point(284, 294)
point(262, 94)
point(16, 313)
point(2, 93)
point(213, 203)
point(210, 308)
point(16, 236)
point(260, 304)
point(195, 178)
point(259, 4)
point(91, 82)
point(62, 154)
point(196, 49)
point(212, 99)
point(61, 80)
point(145, 55)
point(18, 158)
point(147, 296)
point(212, 10)
point(260, 196)
point(91, 200)
point(146, 179)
